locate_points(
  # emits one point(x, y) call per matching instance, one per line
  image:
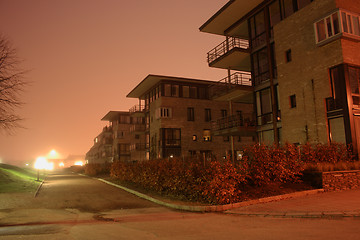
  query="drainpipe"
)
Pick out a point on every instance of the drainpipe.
point(230, 114)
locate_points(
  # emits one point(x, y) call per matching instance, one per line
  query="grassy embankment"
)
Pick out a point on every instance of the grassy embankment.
point(15, 179)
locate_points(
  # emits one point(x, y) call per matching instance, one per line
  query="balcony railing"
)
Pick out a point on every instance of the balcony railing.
point(227, 46)
point(137, 128)
point(137, 108)
point(243, 120)
point(225, 84)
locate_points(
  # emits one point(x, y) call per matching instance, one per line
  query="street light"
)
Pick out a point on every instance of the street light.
point(40, 163)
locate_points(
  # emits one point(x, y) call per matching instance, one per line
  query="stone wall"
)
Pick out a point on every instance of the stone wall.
point(341, 180)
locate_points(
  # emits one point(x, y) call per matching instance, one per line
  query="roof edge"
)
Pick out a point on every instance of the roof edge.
point(216, 14)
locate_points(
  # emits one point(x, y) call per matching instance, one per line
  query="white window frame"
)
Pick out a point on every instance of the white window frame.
point(163, 112)
point(331, 35)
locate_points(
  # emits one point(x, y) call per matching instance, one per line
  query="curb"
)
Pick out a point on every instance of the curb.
point(38, 189)
point(215, 208)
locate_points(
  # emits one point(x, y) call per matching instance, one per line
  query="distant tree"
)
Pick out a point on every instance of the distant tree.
point(12, 83)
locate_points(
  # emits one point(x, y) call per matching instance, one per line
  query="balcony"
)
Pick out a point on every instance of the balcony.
point(137, 111)
point(138, 129)
point(235, 125)
point(237, 86)
point(233, 53)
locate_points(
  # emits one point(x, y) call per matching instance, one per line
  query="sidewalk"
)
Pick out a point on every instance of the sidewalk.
point(307, 204)
point(322, 205)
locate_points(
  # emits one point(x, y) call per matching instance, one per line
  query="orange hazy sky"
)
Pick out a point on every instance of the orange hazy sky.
point(85, 56)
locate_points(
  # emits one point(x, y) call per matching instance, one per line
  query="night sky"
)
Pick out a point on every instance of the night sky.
point(85, 56)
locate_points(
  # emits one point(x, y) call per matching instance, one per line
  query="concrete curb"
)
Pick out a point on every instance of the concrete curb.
point(38, 189)
point(215, 208)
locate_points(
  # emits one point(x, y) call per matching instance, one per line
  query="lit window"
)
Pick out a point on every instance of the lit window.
point(207, 135)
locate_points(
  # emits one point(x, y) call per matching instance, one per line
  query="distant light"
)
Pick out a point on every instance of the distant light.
point(27, 164)
point(53, 154)
point(78, 163)
point(61, 164)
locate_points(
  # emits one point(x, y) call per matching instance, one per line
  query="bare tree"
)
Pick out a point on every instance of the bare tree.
point(12, 83)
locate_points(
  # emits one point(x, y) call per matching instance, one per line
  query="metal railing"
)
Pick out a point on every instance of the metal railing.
point(137, 108)
point(225, 84)
point(224, 47)
point(137, 128)
point(243, 120)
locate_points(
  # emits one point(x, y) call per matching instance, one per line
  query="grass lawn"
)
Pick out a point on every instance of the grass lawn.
point(15, 179)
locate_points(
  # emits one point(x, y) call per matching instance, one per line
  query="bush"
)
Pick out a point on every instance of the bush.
point(267, 164)
point(95, 169)
point(218, 182)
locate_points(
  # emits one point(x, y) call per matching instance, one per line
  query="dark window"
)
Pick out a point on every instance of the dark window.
point(175, 90)
point(202, 93)
point(223, 113)
point(275, 13)
point(303, 3)
point(193, 92)
point(190, 114)
point(257, 25)
point(171, 136)
point(207, 115)
point(260, 66)
point(226, 138)
point(185, 91)
point(288, 56)
point(167, 92)
point(289, 7)
point(292, 99)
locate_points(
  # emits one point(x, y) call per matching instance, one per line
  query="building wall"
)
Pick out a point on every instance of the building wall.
point(190, 128)
point(306, 75)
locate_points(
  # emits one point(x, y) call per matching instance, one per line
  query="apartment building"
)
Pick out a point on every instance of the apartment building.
point(101, 151)
point(304, 59)
point(183, 117)
point(119, 140)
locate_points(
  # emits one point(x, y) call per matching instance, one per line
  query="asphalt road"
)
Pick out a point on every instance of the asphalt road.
point(70, 206)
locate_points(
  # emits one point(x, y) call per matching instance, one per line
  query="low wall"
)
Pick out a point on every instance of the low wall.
point(341, 180)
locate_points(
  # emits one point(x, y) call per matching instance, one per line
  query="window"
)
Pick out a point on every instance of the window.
point(207, 115)
point(164, 113)
point(185, 91)
point(170, 136)
point(226, 138)
point(175, 90)
point(193, 92)
point(303, 3)
point(194, 138)
point(289, 7)
point(292, 99)
point(207, 135)
point(275, 13)
point(223, 113)
point(167, 92)
point(190, 114)
point(336, 23)
point(288, 57)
